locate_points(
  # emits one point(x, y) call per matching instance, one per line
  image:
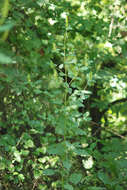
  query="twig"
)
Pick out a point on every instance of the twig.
point(115, 133)
point(111, 27)
point(35, 184)
point(108, 130)
point(122, 100)
point(18, 142)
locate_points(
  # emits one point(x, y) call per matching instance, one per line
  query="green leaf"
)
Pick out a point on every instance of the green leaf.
point(6, 27)
point(122, 163)
point(81, 152)
point(68, 186)
point(37, 174)
point(96, 188)
point(58, 149)
point(104, 178)
point(67, 164)
point(29, 144)
point(49, 172)
point(21, 177)
point(80, 131)
point(17, 156)
point(25, 152)
point(75, 178)
point(41, 150)
point(118, 187)
point(2, 165)
point(4, 59)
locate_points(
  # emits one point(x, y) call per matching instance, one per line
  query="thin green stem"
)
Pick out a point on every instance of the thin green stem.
point(65, 68)
point(65, 96)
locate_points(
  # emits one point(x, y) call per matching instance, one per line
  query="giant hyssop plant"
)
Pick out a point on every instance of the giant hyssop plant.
point(63, 95)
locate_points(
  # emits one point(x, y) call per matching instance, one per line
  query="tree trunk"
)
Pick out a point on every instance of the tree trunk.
point(95, 115)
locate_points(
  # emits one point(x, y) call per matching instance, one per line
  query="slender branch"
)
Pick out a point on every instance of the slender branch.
point(118, 101)
point(111, 27)
point(115, 133)
point(114, 103)
point(35, 184)
point(106, 128)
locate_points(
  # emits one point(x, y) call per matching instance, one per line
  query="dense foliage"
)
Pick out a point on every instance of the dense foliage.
point(63, 94)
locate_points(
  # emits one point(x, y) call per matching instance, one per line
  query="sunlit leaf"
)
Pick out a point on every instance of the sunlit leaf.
point(4, 59)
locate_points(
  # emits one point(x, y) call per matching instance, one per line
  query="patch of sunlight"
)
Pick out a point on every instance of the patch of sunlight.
point(63, 15)
point(119, 85)
point(51, 21)
point(88, 164)
point(114, 82)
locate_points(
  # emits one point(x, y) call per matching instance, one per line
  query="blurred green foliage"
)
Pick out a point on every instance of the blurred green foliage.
point(63, 89)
